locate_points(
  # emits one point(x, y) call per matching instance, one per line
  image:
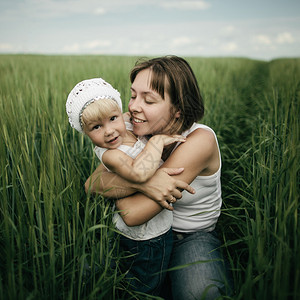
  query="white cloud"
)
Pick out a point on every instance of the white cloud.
point(285, 38)
point(52, 9)
point(100, 11)
point(271, 42)
point(164, 27)
point(228, 30)
point(229, 47)
point(186, 5)
point(262, 40)
point(74, 48)
point(40, 9)
point(181, 41)
point(6, 47)
point(97, 44)
point(93, 46)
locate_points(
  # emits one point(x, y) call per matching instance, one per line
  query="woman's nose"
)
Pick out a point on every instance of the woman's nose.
point(135, 105)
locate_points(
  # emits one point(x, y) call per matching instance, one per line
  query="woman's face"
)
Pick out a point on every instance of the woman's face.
point(150, 113)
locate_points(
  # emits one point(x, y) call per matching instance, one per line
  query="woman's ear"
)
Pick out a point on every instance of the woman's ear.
point(177, 114)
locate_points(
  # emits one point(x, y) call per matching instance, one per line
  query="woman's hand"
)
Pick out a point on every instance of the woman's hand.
point(163, 188)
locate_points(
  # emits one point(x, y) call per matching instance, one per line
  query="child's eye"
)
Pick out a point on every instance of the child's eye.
point(96, 127)
point(113, 118)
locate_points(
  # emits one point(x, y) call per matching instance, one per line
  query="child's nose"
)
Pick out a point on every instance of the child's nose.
point(109, 130)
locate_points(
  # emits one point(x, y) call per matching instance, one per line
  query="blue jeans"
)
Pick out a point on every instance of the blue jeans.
point(145, 269)
point(206, 276)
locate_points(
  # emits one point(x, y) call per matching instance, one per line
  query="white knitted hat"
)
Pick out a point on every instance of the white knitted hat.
point(86, 92)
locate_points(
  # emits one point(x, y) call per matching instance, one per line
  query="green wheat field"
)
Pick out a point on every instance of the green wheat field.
point(50, 230)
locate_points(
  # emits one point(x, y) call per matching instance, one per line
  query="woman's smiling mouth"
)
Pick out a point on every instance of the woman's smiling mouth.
point(135, 120)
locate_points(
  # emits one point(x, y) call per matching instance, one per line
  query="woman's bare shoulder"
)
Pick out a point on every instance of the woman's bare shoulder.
point(205, 143)
point(202, 135)
point(198, 154)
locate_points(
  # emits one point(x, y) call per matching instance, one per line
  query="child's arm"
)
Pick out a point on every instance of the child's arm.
point(143, 167)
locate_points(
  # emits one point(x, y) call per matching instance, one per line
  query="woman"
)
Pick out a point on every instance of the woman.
point(166, 99)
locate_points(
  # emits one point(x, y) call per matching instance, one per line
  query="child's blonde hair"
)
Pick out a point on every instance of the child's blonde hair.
point(98, 110)
point(84, 93)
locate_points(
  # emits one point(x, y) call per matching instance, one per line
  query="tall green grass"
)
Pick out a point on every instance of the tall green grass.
point(50, 230)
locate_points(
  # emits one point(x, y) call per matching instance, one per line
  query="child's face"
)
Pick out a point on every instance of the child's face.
point(107, 133)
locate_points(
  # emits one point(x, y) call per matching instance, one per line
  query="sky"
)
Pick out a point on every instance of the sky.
point(257, 29)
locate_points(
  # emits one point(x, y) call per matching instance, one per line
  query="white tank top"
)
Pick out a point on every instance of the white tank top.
point(199, 211)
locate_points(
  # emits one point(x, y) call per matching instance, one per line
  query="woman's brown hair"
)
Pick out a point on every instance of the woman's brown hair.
point(173, 75)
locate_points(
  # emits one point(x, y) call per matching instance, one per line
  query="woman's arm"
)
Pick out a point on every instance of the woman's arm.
point(159, 188)
point(199, 155)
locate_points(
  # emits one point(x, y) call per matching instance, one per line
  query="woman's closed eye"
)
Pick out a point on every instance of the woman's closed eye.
point(148, 101)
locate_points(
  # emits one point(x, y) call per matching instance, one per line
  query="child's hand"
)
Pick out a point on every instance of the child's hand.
point(126, 117)
point(170, 139)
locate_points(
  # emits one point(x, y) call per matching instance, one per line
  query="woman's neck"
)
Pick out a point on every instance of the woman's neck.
point(129, 139)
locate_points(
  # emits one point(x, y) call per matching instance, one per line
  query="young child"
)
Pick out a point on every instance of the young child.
point(94, 107)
